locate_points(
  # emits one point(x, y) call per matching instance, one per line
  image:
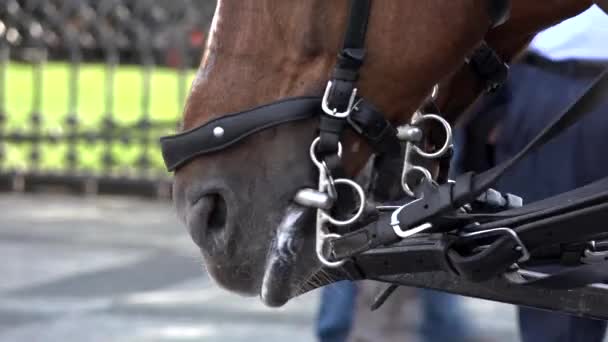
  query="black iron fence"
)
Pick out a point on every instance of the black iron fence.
point(88, 86)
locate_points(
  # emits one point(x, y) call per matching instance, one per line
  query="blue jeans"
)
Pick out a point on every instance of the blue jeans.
point(336, 311)
point(442, 316)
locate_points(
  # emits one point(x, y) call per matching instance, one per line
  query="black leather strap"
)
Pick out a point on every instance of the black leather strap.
point(488, 67)
point(181, 148)
point(573, 277)
point(370, 123)
point(352, 55)
point(346, 73)
point(424, 254)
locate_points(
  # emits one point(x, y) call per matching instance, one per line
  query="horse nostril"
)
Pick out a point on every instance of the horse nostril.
point(218, 212)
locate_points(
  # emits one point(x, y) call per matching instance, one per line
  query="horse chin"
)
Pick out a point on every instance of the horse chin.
point(290, 257)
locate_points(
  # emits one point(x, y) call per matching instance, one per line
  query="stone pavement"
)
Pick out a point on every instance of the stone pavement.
point(119, 269)
point(123, 269)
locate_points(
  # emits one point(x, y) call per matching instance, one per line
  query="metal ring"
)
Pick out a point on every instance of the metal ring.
point(319, 250)
point(404, 184)
point(357, 215)
point(448, 136)
point(313, 155)
point(525, 253)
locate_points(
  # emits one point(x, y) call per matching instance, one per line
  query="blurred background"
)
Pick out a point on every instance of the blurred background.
point(90, 245)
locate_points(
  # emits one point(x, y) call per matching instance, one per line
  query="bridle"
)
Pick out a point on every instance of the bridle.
point(340, 107)
point(460, 226)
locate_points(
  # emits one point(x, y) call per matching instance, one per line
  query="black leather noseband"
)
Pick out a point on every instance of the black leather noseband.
point(227, 130)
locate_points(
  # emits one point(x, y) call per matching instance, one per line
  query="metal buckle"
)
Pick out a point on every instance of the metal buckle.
point(592, 255)
point(334, 112)
point(525, 253)
point(409, 232)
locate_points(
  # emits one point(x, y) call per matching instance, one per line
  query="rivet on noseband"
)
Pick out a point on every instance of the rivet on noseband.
point(218, 132)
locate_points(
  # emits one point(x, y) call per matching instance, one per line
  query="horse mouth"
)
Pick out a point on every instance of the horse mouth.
point(287, 255)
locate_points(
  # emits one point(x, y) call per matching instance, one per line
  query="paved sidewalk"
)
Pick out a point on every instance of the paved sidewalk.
point(120, 269)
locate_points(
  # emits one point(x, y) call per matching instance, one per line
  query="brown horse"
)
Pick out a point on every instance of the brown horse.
point(260, 51)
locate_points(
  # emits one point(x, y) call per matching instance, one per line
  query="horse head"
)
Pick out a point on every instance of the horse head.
point(238, 201)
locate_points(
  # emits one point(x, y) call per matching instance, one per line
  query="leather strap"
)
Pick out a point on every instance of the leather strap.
point(352, 55)
point(370, 123)
point(421, 254)
point(345, 75)
point(488, 67)
point(228, 130)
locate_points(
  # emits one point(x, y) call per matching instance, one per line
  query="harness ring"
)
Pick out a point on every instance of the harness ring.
point(360, 194)
point(313, 155)
point(448, 136)
point(319, 250)
point(404, 181)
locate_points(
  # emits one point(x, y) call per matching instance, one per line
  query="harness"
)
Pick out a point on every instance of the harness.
point(461, 227)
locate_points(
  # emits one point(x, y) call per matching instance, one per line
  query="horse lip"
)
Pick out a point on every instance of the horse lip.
point(283, 255)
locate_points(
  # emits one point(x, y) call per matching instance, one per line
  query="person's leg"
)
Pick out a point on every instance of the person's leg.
point(443, 318)
point(336, 309)
point(539, 326)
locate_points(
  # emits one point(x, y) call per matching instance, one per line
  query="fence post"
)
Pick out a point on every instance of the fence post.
point(146, 59)
point(71, 137)
point(38, 58)
point(110, 125)
point(4, 55)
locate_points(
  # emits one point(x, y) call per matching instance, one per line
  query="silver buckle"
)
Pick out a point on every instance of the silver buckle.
point(525, 254)
point(592, 256)
point(409, 232)
point(334, 112)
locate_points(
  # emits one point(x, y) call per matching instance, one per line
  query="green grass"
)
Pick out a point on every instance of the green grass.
point(164, 105)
